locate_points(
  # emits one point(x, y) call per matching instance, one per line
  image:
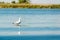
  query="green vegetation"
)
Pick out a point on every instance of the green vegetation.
point(26, 4)
point(13, 2)
point(23, 1)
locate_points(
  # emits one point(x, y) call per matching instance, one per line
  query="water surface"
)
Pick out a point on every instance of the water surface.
point(33, 22)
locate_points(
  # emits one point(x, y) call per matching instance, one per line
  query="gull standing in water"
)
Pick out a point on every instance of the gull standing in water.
point(18, 22)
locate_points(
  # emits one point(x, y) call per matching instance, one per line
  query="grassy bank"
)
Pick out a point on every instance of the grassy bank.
point(29, 6)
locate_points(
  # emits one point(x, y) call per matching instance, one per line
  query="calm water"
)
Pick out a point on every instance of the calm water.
point(35, 22)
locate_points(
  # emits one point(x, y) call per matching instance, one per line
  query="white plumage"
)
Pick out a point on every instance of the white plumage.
point(17, 22)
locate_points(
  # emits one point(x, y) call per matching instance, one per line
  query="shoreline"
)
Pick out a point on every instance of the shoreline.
point(23, 5)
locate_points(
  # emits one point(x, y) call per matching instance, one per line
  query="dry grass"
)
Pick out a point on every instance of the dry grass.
point(23, 5)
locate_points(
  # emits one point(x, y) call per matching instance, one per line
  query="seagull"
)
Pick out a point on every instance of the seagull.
point(18, 22)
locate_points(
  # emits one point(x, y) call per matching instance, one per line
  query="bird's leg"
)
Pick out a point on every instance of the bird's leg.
point(17, 24)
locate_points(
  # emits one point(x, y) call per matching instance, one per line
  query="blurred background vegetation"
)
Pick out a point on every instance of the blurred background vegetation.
point(24, 1)
point(27, 4)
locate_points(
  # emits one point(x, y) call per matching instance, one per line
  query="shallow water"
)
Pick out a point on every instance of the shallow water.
point(33, 22)
point(50, 37)
point(10, 38)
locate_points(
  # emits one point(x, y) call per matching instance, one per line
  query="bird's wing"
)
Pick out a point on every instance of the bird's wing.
point(17, 22)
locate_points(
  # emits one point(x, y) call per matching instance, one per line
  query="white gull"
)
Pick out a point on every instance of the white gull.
point(17, 23)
